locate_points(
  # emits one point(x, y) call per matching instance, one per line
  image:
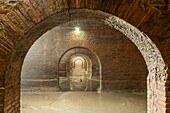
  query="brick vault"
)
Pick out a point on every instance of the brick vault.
point(145, 23)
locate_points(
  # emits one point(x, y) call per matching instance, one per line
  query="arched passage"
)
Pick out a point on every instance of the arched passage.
point(92, 70)
point(20, 53)
point(154, 61)
point(78, 72)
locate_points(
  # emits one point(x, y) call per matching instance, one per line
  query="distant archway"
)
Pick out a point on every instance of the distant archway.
point(79, 72)
point(89, 79)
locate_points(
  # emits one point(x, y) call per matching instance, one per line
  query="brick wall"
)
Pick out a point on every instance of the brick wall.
point(12, 87)
point(25, 18)
point(2, 86)
point(123, 67)
point(167, 98)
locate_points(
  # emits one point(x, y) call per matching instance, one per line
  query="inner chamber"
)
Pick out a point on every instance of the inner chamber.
point(95, 58)
point(80, 73)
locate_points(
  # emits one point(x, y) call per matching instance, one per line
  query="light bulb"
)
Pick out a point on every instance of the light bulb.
point(77, 29)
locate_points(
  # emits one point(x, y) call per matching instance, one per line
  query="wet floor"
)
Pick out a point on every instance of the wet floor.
point(83, 102)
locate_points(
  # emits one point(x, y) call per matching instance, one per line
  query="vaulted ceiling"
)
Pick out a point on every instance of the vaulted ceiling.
point(19, 17)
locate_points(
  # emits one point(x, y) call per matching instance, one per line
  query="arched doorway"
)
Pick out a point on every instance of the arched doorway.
point(80, 73)
point(155, 77)
point(79, 69)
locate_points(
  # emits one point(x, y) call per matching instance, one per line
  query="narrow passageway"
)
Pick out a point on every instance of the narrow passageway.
point(83, 102)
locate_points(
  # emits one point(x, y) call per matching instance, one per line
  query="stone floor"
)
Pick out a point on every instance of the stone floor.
point(83, 102)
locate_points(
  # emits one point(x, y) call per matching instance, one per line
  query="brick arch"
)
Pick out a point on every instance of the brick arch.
point(92, 56)
point(30, 17)
point(154, 61)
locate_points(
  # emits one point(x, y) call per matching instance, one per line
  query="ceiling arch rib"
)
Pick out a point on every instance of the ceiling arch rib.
point(27, 13)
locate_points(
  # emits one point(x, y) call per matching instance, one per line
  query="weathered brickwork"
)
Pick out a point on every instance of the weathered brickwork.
point(31, 18)
point(154, 61)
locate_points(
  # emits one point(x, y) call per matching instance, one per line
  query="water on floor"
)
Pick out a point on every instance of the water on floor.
point(83, 102)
